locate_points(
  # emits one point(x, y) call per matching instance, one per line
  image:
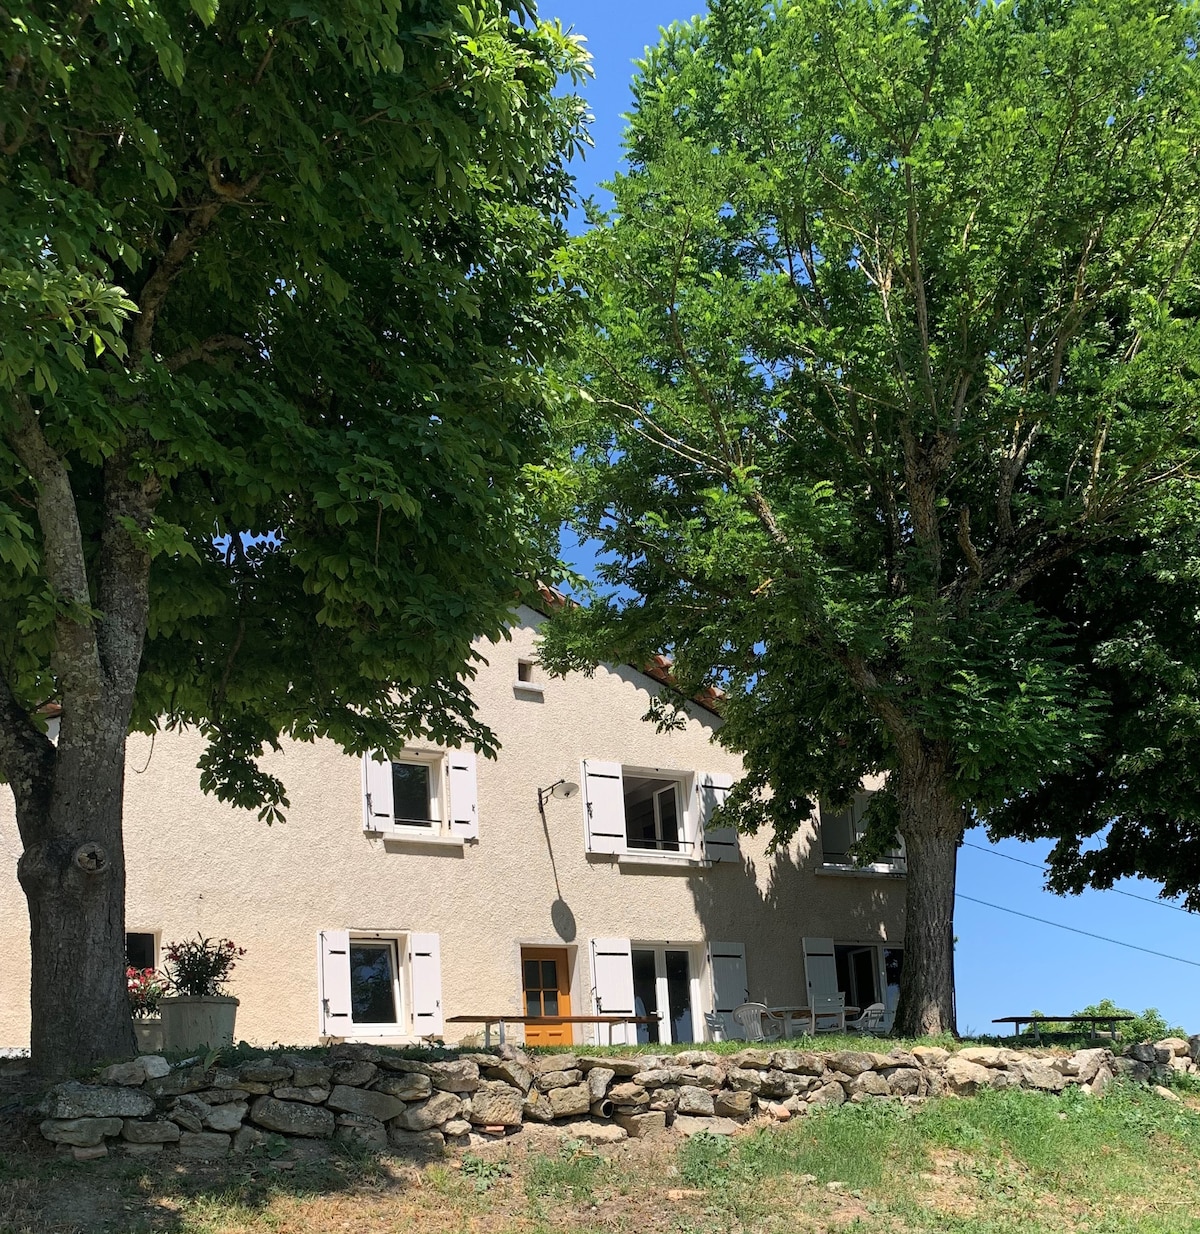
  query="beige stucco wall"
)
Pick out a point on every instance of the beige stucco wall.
point(196, 865)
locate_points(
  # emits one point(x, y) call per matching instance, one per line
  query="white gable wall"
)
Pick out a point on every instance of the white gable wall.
point(198, 866)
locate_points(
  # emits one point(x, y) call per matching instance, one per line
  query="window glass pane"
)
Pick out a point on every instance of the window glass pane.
point(679, 994)
point(533, 1001)
point(410, 791)
point(372, 983)
point(645, 995)
point(530, 979)
point(549, 975)
point(639, 822)
point(550, 1002)
point(668, 814)
point(139, 950)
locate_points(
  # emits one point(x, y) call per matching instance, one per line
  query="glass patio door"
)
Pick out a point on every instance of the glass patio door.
point(662, 985)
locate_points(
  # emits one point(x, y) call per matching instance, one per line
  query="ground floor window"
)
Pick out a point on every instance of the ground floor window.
point(140, 951)
point(375, 996)
point(663, 985)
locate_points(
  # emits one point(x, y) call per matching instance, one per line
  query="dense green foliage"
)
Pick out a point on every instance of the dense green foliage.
point(296, 265)
point(894, 319)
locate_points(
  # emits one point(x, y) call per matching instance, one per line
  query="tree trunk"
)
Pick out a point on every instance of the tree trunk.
point(73, 875)
point(931, 822)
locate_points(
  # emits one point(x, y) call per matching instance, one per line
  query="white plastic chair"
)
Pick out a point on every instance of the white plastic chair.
point(827, 1008)
point(749, 1016)
point(715, 1023)
point(871, 1020)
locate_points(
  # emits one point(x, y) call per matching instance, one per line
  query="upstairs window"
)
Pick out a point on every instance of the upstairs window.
point(842, 829)
point(653, 813)
point(421, 794)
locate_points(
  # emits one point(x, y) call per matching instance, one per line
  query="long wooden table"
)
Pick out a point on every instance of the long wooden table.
point(545, 1020)
point(1017, 1020)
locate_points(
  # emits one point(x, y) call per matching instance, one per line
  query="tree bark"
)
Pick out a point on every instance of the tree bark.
point(931, 822)
point(72, 871)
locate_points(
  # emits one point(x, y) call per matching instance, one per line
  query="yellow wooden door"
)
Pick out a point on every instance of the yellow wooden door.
point(546, 988)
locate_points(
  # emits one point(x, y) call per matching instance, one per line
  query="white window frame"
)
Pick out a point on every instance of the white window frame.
point(436, 765)
point(695, 955)
point(691, 844)
point(401, 985)
point(894, 864)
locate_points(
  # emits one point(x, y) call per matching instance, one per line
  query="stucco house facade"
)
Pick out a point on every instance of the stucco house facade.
point(407, 891)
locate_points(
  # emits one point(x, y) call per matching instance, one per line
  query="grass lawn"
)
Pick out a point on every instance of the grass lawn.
point(1004, 1163)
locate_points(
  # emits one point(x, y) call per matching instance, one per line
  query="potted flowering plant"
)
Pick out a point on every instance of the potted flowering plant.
point(145, 994)
point(197, 1011)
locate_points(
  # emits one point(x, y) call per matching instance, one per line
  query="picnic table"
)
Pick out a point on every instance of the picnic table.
point(488, 1020)
point(800, 1021)
point(1017, 1020)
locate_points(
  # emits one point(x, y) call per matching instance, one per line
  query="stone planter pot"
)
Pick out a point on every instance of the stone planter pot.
point(149, 1034)
point(191, 1023)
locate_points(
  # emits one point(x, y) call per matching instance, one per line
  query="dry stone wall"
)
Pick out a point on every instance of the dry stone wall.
point(420, 1105)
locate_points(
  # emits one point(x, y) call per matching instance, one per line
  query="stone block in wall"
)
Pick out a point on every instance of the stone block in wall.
point(156, 1131)
point(311, 1094)
point(539, 1064)
point(428, 1143)
point(247, 1138)
point(511, 1071)
point(429, 1113)
point(537, 1108)
point(225, 1117)
point(965, 1078)
point(365, 1101)
point(618, 1066)
point(205, 1145)
point(353, 1073)
point(456, 1075)
point(1131, 1068)
point(360, 1129)
point(1177, 1045)
point(696, 1058)
point(566, 1102)
point(264, 1071)
point(132, 1073)
point(762, 1059)
point(695, 1100)
point(75, 1100)
point(218, 1096)
point(94, 1152)
point(548, 1080)
point(829, 1093)
point(628, 1092)
point(79, 1132)
point(1036, 1074)
point(664, 1099)
point(639, 1125)
point(182, 1080)
point(745, 1079)
point(904, 1081)
point(392, 1062)
point(356, 1052)
point(930, 1055)
point(799, 1062)
point(728, 1104)
point(293, 1117)
point(902, 1058)
point(186, 1119)
point(855, 1062)
point(406, 1085)
point(591, 1132)
point(598, 1080)
point(868, 1084)
point(656, 1078)
point(1085, 1063)
point(495, 1103)
point(306, 1072)
point(1142, 1051)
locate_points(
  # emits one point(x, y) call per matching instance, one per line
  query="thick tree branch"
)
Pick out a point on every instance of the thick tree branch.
point(76, 660)
point(205, 350)
point(26, 757)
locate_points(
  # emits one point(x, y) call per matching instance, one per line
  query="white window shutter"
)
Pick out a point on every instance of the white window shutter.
point(820, 968)
point(464, 795)
point(721, 843)
point(378, 808)
point(333, 983)
point(612, 988)
point(425, 966)
point(604, 807)
point(727, 969)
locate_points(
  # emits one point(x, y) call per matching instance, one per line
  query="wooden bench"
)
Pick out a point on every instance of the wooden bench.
point(1035, 1020)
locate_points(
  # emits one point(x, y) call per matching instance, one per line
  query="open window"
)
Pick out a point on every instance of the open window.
point(421, 794)
point(842, 829)
point(654, 813)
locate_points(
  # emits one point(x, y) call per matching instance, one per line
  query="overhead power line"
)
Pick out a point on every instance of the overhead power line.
point(1037, 865)
point(1162, 955)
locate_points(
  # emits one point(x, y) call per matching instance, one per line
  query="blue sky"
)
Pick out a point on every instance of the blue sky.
point(1005, 965)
